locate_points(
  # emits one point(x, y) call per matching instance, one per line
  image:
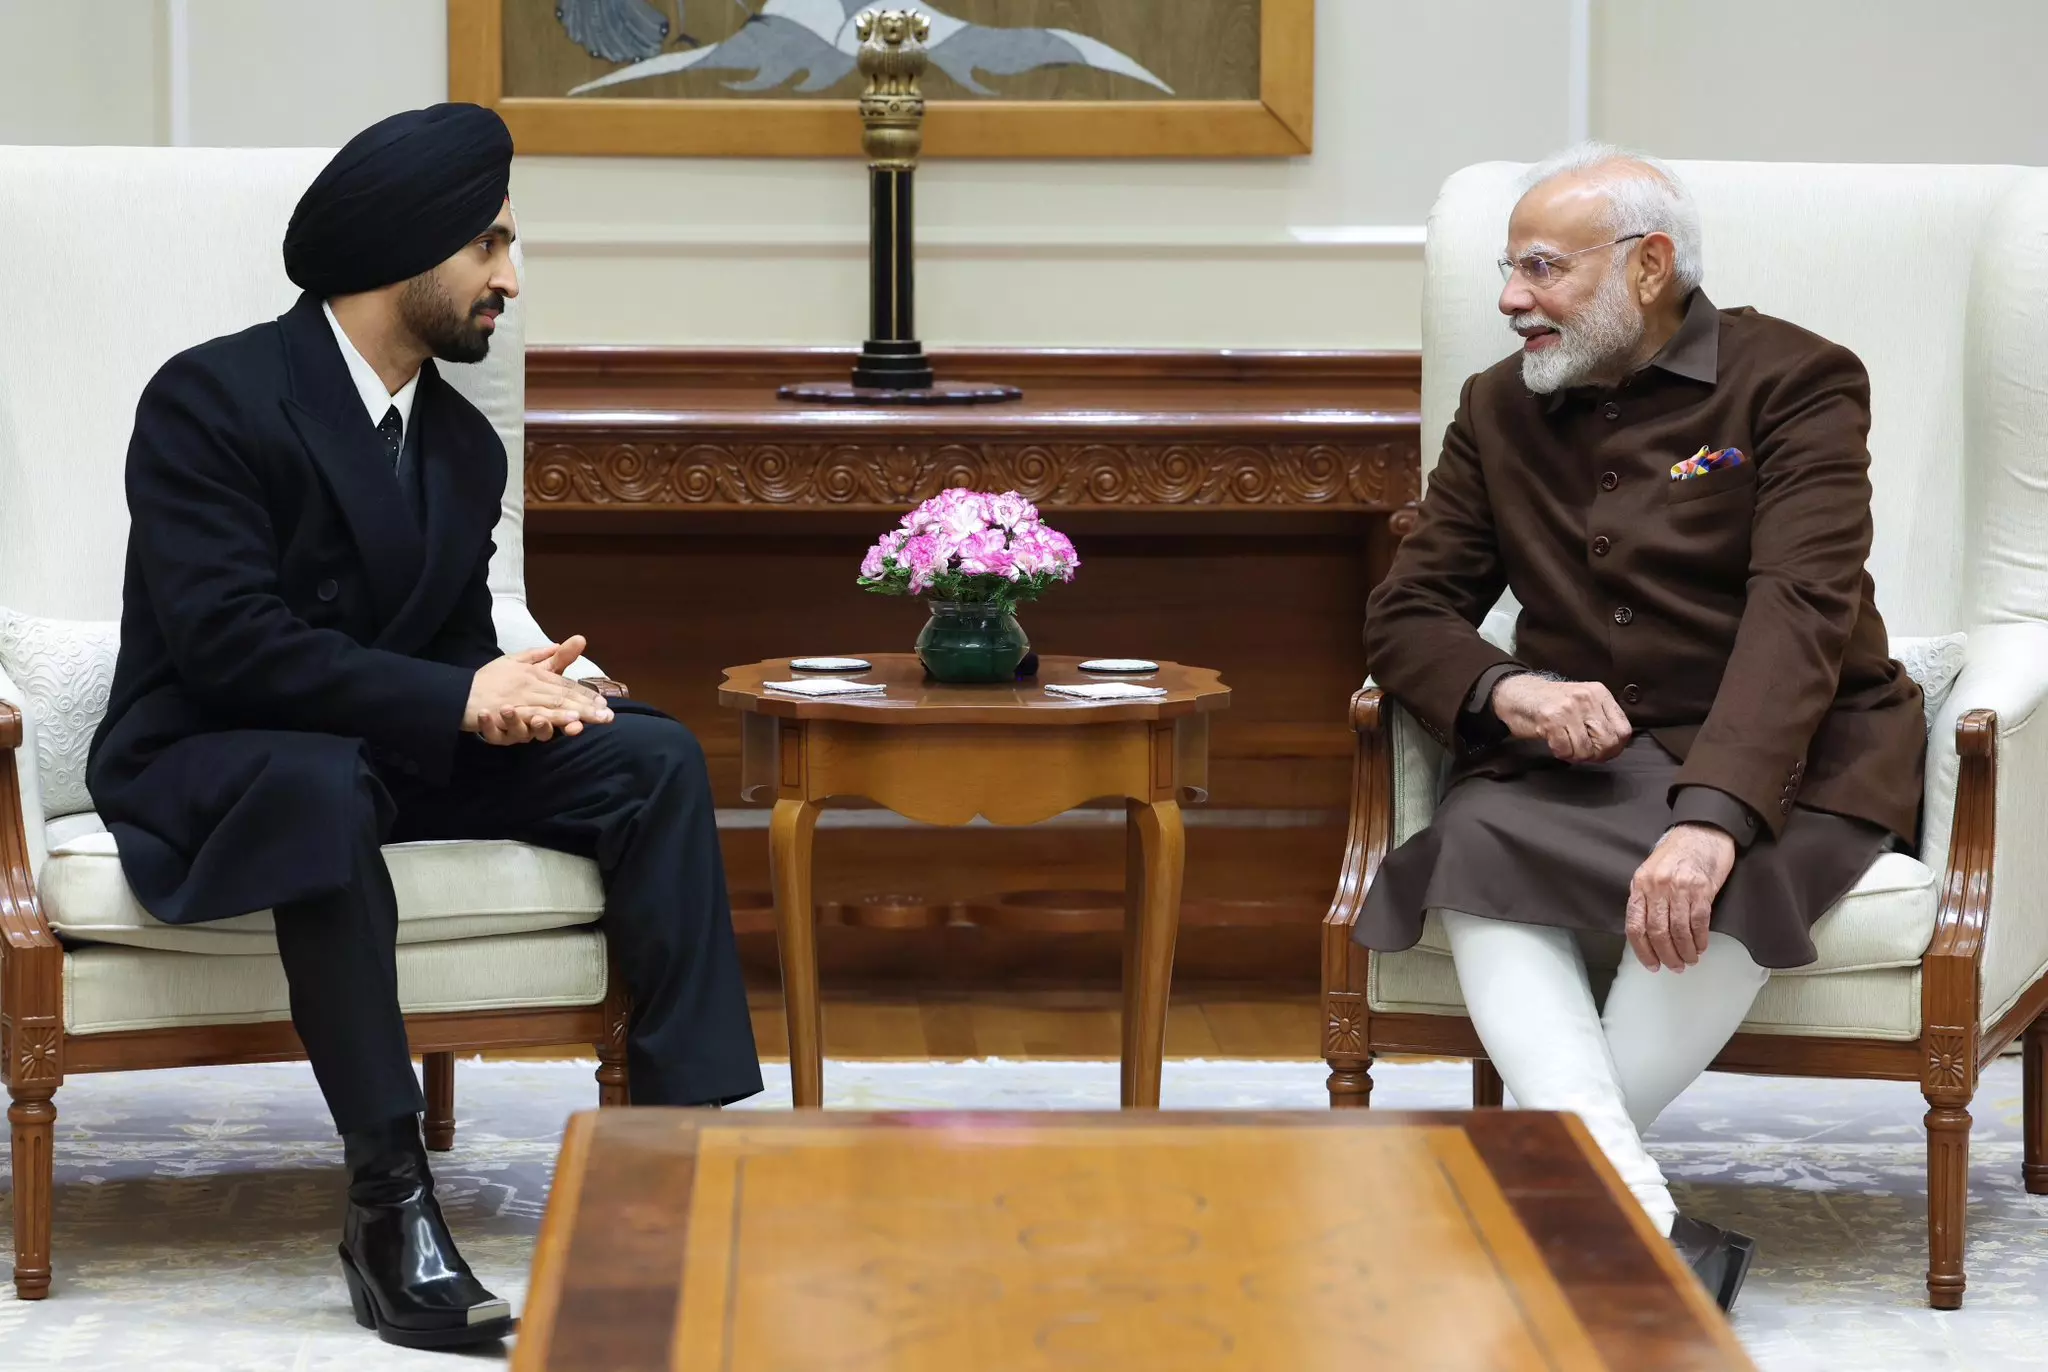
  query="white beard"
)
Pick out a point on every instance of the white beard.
point(1599, 343)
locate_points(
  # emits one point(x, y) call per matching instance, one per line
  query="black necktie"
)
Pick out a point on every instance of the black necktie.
point(392, 431)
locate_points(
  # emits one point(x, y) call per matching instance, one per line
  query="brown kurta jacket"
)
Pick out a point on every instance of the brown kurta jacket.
point(1730, 614)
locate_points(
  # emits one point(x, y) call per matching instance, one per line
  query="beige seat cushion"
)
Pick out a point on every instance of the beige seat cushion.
point(1887, 920)
point(1882, 1003)
point(1864, 983)
point(109, 989)
point(446, 891)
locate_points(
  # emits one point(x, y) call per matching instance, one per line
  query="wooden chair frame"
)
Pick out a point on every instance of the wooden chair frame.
point(1946, 1059)
point(36, 1054)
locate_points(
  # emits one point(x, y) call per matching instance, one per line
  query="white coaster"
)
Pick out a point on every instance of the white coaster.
point(1107, 690)
point(822, 687)
point(829, 664)
point(1119, 664)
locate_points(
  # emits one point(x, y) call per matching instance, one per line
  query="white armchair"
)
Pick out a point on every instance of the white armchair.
point(1935, 962)
point(116, 259)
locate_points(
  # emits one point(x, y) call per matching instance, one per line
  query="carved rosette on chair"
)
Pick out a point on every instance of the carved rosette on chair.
point(893, 368)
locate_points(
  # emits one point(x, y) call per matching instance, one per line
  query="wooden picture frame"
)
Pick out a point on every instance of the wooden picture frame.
point(1280, 123)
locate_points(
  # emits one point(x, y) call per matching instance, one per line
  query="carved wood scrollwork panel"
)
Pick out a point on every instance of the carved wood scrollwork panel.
point(600, 471)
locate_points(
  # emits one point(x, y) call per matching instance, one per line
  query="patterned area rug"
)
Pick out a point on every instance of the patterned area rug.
point(197, 1209)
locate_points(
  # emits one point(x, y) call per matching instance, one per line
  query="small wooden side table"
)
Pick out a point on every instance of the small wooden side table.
point(1013, 754)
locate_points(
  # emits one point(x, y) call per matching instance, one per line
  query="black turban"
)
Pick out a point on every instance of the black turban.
point(400, 198)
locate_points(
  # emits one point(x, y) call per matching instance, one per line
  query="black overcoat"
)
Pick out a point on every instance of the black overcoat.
point(287, 627)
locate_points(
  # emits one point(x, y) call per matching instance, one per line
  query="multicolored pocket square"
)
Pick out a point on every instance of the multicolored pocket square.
point(1702, 462)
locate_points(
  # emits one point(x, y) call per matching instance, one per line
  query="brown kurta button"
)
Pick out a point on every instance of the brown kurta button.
point(1610, 411)
point(1631, 693)
point(1601, 545)
point(1623, 614)
point(1608, 481)
point(1784, 807)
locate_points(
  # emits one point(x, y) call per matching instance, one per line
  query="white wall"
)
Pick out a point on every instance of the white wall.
point(1305, 252)
point(81, 73)
point(307, 73)
point(1826, 80)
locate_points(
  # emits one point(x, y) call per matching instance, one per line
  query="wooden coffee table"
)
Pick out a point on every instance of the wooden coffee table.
point(744, 1241)
point(1012, 754)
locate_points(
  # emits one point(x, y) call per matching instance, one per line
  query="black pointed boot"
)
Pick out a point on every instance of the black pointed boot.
point(1719, 1257)
point(405, 1279)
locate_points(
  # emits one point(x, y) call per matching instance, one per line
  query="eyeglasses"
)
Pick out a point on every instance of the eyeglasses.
point(1542, 268)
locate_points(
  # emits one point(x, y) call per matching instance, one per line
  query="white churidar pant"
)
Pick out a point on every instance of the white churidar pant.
point(1526, 989)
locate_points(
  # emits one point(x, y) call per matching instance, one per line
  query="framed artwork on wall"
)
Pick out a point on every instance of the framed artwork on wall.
point(776, 78)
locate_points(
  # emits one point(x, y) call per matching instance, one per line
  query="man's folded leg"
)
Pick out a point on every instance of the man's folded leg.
point(635, 796)
point(340, 955)
point(406, 1278)
point(1529, 997)
point(1527, 993)
point(1664, 1028)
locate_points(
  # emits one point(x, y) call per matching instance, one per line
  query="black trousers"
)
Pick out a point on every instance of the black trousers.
point(634, 796)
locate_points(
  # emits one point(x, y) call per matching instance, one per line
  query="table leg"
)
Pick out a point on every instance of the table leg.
point(790, 830)
point(1155, 849)
point(1134, 918)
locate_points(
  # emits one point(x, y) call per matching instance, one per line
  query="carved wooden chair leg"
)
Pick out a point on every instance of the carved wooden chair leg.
point(611, 1049)
point(1350, 1081)
point(33, 1119)
point(1948, 1188)
point(1487, 1089)
point(439, 1070)
point(2034, 1094)
point(611, 1073)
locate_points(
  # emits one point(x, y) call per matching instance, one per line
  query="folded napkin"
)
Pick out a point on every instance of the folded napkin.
point(1107, 690)
point(1119, 664)
point(827, 686)
point(829, 664)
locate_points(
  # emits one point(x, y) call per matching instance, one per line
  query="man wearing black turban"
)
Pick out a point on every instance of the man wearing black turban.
point(309, 671)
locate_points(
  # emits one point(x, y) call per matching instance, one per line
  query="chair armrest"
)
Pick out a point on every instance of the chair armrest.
point(1394, 782)
point(1991, 932)
point(31, 958)
point(1950, 984)
point(1372, 808)
point(2005, 671)
point(1394, 777)
point(23, 930)
point(20, 737)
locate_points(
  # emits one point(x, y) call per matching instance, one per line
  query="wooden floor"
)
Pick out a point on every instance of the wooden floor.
point(1051, 1024)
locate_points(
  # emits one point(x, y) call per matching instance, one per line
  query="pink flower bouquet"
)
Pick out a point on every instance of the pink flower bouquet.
point(967, 547)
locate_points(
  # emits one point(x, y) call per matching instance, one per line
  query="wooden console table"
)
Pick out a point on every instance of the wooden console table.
point(1232, 509)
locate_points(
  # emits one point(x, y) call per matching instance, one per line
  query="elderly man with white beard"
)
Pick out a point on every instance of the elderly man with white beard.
point(1700, 741)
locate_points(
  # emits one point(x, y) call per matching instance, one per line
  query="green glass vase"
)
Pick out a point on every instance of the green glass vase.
point(971, 643)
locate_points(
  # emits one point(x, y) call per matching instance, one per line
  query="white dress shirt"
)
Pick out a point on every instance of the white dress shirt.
point(369, 385)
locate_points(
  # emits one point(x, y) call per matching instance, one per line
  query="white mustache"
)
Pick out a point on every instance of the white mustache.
point(1530, 321)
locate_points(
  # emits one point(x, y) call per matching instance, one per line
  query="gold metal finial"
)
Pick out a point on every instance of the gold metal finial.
point(893, 58)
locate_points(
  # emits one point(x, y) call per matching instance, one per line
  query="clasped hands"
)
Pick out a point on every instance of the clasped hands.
point(524, 698)
point(1671, 896)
